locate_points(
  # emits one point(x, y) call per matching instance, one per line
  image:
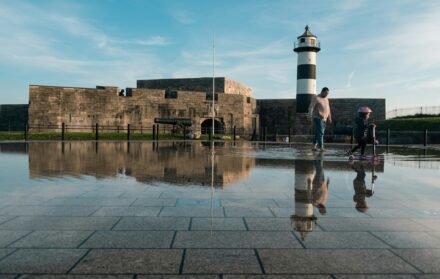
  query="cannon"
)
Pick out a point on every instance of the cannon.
point(174, 121)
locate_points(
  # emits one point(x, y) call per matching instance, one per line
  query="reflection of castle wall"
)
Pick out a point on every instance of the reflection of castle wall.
point(176, 163)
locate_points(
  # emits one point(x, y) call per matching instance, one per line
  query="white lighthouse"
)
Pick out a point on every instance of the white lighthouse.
point(307, 46)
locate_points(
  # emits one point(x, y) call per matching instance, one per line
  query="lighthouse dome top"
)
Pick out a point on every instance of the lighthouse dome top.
point(307, 33)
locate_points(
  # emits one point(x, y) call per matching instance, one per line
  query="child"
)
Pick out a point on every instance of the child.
point(361, 130)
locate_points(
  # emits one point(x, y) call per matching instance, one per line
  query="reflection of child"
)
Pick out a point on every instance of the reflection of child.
point(360, 189)
point(361, 130)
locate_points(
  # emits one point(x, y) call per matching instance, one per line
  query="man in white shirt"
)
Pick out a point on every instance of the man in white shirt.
point(319, 113)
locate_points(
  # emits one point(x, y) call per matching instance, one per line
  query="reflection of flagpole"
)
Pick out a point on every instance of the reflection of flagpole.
point(213, 85)
point(212, 182)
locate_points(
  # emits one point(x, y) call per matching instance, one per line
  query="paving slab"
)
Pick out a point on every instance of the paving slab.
point(52, 239)
point(48, 210)
point(376, 276)
point(248, 212)
point(186, 194)
point(130, 239)
point(431, 224)
point(277, 277)
point(288, 203)
point(282, 212)
point(4, 252)
point(206, 203)
point(4, 219)
point(290, 261)
point(269, 224)
point(425, 259)
point(191, 212)
point(127, 211)
point(369, 224)
point(41, 260)
point(102, 194)
point(59, 276)
point(154, 202)
point(336, 212)
point(223, 224)
point(177, 277)
point(435, 234)
point(235, 239)
point(409, 239)
point(60, 223)
point(249, 202)
point(7, 237)
point(122, 261)
point(248, 195)
point(341, 240)
point(221, 261)
point(91, 201)
point(394, 212)
point(153, 223)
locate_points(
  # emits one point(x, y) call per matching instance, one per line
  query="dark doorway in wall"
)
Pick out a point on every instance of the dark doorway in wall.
point(207, 126)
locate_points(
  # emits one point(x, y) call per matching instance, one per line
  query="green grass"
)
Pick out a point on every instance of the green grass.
point(410, 124)
point(91, 136)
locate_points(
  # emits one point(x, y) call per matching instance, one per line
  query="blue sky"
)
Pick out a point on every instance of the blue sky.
point(386, 49)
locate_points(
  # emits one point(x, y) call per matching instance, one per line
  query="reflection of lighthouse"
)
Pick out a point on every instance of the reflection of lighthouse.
point(304, 220)
point(307, 46)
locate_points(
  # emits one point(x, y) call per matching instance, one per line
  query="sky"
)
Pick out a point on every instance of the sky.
point(369, 48)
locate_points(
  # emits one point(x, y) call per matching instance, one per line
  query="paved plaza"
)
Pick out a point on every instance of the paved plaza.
point(96, 229)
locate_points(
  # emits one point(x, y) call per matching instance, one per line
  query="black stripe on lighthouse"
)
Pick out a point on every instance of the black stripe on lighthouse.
point(306, 71)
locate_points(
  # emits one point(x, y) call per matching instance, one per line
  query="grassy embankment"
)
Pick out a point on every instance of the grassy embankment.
point(410, 124)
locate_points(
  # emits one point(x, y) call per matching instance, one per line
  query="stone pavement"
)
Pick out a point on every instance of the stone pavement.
point(162, 233)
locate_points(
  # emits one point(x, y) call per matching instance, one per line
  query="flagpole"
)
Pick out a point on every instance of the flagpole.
point(213, 85)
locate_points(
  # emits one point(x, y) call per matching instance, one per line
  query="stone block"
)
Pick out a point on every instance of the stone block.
point(218, 224)
point(235, 239)
point(323, 261)
point(130, 239)
point(60, 223)
point(153, 223)
point(211, 261)
point(52, 239)
point(121, 261)
point(341, 240)
point(7, 237)
point(424, 259)
point(248, 212)
point(41, 260)
point(48, 210)
point(128, 211)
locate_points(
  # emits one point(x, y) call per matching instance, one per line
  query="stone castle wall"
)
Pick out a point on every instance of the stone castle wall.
point(279, 114)
point(50, 105)
point(222, 85)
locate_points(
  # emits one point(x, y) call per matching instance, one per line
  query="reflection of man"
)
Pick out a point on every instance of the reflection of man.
point(320, 187)
point(360, 189)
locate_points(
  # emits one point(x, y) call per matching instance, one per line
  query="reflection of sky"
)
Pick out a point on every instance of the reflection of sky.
point(395, 182)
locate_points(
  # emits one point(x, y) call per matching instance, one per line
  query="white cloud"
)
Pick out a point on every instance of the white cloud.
point(350, 77)
point(182, 16)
